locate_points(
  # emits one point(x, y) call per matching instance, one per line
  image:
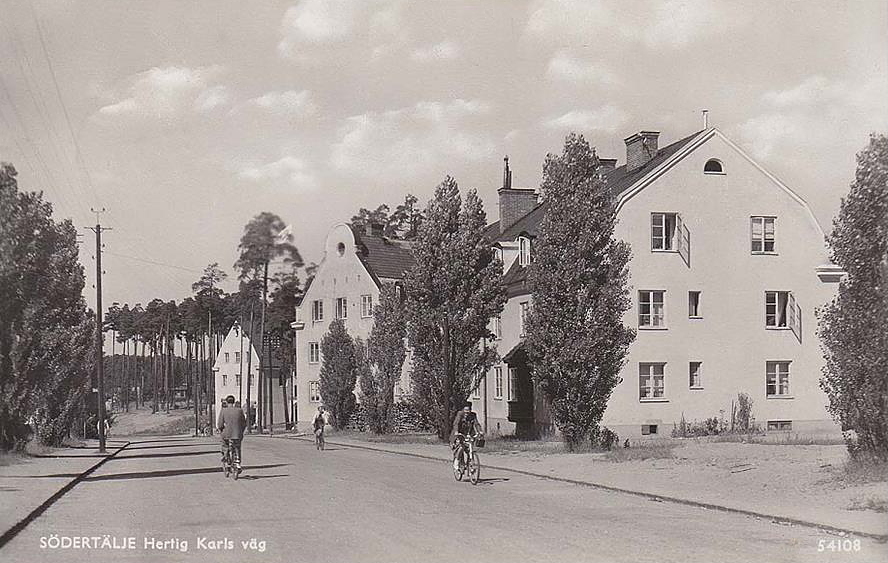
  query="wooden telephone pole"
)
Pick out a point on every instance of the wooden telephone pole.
point(100, 337)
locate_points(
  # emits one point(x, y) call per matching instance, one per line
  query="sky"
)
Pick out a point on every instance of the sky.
point(186, 119)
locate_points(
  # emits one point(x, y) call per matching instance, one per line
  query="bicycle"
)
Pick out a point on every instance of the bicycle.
point(231, 463)
point(319, 439)
point(467, 459)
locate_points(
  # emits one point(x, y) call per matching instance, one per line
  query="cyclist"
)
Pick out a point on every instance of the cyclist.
point(318, 423)
point(466, 424)
point(232, 423)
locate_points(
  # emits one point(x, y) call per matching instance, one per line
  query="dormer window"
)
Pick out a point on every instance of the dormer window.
point(713, 166)
point(524, 256)
point(498, 253)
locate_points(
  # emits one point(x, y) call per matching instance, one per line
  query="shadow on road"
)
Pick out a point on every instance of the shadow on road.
point(51, 456)
point(124, 457)
point(257, 477)
point(492, 481)
point(182, 445)
point(173, 472)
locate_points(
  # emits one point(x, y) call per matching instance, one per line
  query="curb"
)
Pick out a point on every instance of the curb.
point(649, 496)
point(15, 529)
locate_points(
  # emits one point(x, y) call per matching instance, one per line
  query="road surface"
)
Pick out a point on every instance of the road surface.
point(165, 499)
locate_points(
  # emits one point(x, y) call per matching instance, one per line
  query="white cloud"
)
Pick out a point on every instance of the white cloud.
point(443, 51)
point(814, 89)
point(290, 171)
point(653, 23)
point(319, 23)
point(607, 118)
point(163, 92)
point(570, 69)
point(408, 141)
point(290, 102)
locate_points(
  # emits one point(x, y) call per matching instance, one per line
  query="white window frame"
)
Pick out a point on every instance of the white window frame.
point(341, 311)
point(778, 379)
point(314, 391)
point(695, 306)
point(238, 380)
point(476, 393)
point(498, 383)
point(650, 382)
point(719, 172)
point(773, 303)
point(224, 380)
point(761, 238)
point(523, 310)
point(366, 306)
point(498, 253)
point(314, 352)
point(525, 255)
point(646, 321)
point(497, 327)
point(782, 425)
point(317, 310)
point(226, 357)
point(698, 384)
point(664, 241)
point(513, 384)
point(237, 356)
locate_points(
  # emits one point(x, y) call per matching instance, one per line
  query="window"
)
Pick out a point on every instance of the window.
point(498, 383)
point(317, 310)
point(497, 327)
point(476, 394)
point(777, 379)
point(366, 306)
point(314, 352)
point(525, 308)
point(779, 425)
point(695, 375)
point(341, 308)
point(340, 248)
point(651, 381)
point(651, 311)
point(713, 166)
point(694, 305)
point(314, 391)
point(224, 380)
point(226, 357)
point(498, 254)
point(663, 231)
point(237, 356)
point(237, 381)
point(524, 256)
point(513, 384)
point(763, 239)
point(775, 308)
point(647, 429)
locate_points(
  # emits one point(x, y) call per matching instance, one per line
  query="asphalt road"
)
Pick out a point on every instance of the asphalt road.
point(347, 504)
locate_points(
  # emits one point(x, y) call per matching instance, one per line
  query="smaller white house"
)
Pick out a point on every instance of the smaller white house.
point(232, 361)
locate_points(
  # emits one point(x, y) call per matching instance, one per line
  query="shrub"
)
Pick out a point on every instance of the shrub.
point(604, 438)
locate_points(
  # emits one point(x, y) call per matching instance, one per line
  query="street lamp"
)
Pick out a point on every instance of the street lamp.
point(296, 326)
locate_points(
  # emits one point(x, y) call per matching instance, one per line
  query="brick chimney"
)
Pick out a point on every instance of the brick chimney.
point(640, 149)
point(514, 203)
point(374, 228)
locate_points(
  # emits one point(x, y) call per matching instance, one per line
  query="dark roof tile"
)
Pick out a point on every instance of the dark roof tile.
point(385, 258)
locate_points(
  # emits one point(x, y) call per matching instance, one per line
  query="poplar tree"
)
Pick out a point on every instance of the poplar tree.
point(339, 372)
point(579, 272)
point(851, 327)
point(385, 354)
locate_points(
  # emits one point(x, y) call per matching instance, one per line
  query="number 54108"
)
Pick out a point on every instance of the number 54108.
point(836, 545)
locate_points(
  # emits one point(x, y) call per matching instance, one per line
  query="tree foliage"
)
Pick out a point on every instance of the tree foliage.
point(339, 372)
point(265, 239)
point(45, 328)
point(403, 223)
point(854, 340)
point(575, 334)
point(384, 357)
point(453, 291)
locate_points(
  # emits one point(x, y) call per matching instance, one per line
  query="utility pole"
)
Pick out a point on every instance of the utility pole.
point(100, 344)
point(262, 345)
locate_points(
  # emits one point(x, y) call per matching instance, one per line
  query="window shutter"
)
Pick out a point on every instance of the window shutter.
point(795, 317)
point(683, 237)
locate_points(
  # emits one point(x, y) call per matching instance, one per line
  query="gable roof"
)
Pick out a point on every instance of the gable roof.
point(384, 258)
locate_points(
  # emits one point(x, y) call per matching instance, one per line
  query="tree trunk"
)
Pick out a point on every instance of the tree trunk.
point(249, 378)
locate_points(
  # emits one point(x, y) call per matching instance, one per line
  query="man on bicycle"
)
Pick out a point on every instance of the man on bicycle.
point(466, 424)
point(318, 422)
point(232, 424)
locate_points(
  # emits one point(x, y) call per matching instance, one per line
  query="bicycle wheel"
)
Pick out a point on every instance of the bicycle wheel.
point(322, 442)
point(459, 468)
point(474, 469)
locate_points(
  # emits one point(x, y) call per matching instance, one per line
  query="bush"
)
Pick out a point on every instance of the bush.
point(406, 419)
point(604, 438)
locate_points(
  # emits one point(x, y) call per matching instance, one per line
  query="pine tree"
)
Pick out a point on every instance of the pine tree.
point(453, 291)
point(575, 334)
point(854, 342)
point(385, 357)
point(339, 372)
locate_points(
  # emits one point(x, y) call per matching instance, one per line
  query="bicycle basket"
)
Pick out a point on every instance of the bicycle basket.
point(479, 443)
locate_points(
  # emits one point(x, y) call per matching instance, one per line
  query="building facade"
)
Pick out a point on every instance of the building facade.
point(728, 266)
point(346, 286)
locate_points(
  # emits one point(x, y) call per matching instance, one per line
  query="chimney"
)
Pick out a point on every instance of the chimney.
point(640, 149)
point(514, 203)
point(605, 165)
point(374, 229)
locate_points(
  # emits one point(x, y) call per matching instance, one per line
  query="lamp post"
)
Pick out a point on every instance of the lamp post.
point(296, 326)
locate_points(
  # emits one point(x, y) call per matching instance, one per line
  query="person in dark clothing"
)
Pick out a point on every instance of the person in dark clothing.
point(231, 425)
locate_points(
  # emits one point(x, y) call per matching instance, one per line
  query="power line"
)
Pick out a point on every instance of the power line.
point(146, 261)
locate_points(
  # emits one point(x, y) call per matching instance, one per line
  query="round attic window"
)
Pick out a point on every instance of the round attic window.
point(340, 248)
